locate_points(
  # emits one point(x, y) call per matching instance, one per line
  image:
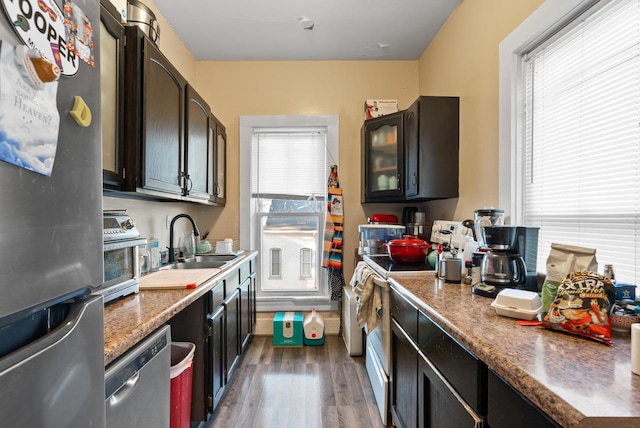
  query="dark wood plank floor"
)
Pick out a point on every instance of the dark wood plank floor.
point(310, 387)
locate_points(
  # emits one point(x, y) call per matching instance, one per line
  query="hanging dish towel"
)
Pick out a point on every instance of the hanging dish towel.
point(368, 296)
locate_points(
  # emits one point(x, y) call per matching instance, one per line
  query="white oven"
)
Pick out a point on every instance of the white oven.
point(378, 342)
point(378, 352)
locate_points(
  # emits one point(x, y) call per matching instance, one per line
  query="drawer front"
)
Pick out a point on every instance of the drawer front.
point(508, 408)
point(231, 282)
point(245, 271)
point(216, 296)
point(405, 314)
point(466, 373)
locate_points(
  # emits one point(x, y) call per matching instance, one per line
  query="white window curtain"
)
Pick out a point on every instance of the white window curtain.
point(580, 172)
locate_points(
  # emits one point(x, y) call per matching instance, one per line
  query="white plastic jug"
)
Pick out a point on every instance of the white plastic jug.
point(313, 325)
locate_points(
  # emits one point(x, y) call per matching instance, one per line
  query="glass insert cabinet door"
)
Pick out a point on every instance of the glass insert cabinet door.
point(383, 148)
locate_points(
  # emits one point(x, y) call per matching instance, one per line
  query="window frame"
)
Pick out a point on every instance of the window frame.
point(302, 302)
point(540, 25)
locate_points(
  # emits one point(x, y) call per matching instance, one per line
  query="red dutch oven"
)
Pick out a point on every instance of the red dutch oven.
point(408, 250)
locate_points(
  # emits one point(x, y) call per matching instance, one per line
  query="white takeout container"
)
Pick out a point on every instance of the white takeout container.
point(519, 304)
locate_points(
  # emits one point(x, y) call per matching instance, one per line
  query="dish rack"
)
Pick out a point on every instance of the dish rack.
point(225, 245)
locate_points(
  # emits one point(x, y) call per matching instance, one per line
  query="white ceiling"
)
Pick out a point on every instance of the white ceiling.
point(273, 29)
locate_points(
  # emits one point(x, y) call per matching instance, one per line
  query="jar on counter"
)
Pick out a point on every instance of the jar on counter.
point(608, 273)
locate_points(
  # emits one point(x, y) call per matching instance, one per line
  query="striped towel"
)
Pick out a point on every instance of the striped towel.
point(368, 296)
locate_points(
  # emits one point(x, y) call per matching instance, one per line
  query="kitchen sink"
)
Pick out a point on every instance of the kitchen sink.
point(205, 261)
point(215, 258)
point(196, 265)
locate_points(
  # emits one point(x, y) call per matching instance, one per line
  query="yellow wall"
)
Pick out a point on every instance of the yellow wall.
point(462, 60)
point(234, 89)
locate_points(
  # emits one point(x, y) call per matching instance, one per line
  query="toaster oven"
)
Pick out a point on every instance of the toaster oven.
point(121, 248)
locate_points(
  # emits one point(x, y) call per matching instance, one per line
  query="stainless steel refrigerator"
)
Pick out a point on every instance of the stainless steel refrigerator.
point(51, 258)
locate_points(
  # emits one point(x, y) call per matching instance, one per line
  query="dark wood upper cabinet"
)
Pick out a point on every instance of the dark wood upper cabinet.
point(172, 141)
point(112, 95)
point(154, 131)
point(220, 150)
point(199, 148)
point(431, 148)
point(412, 155)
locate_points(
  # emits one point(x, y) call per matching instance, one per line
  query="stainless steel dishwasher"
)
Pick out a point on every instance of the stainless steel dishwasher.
point(137, 384)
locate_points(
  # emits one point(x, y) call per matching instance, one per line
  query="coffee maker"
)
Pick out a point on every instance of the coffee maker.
point(527, 247)
point(502, 266)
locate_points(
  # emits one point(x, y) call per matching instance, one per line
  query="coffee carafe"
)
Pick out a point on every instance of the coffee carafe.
point(502, 265)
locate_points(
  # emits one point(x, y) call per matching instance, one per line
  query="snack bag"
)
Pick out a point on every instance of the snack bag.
point(562, 260)
point(582, 306)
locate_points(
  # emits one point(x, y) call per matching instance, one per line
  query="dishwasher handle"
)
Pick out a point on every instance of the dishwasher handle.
point(125, 390)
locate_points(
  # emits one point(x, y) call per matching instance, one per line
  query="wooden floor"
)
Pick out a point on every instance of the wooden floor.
point(311, 386)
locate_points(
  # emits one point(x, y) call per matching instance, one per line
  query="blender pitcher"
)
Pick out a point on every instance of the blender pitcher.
point(486, 217)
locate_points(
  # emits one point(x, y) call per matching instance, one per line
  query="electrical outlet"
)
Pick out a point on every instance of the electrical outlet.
point(168, 220)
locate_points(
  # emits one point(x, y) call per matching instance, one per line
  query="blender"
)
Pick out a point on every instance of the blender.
point(486, 217)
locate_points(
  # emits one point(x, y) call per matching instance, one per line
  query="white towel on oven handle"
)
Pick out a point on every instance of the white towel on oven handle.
point(368, 296)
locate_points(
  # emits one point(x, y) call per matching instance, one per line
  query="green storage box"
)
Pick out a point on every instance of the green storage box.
point(287, 329)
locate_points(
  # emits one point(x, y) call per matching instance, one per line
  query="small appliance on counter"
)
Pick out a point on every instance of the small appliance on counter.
point(417, 226)
point(382, 219)
point(484, 217)
point(503, 265)
point(373, 237)
point(121, 244)
point(447, 232)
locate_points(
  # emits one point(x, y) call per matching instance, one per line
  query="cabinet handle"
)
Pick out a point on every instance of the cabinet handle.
point(415, 179)
point(186, 183)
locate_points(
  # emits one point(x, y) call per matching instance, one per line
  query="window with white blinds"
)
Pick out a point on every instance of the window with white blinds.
point(289, 162)
point(580, 172)
point(288, 187)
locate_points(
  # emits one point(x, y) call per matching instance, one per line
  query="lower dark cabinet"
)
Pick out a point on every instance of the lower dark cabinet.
point(217, 351)
point(245, 312)
point(232, 315)
point(215, 324)
point(438, 406)
point(508, 408)
point(404, 374)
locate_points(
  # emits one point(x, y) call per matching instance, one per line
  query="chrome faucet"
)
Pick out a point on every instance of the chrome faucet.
point(196, 233)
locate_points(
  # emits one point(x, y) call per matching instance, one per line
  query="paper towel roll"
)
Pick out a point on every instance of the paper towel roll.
point(635, 348)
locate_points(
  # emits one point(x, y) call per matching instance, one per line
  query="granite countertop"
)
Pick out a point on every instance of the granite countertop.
point(577, 381)
point(128, 320)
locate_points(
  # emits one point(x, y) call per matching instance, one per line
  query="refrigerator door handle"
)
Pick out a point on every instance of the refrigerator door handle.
point(54, 337)
point(125, 390)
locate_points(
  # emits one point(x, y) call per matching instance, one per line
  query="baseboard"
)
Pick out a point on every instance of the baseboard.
point(264, 323)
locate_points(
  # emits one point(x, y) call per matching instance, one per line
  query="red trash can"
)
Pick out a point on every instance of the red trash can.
point(181, 379)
